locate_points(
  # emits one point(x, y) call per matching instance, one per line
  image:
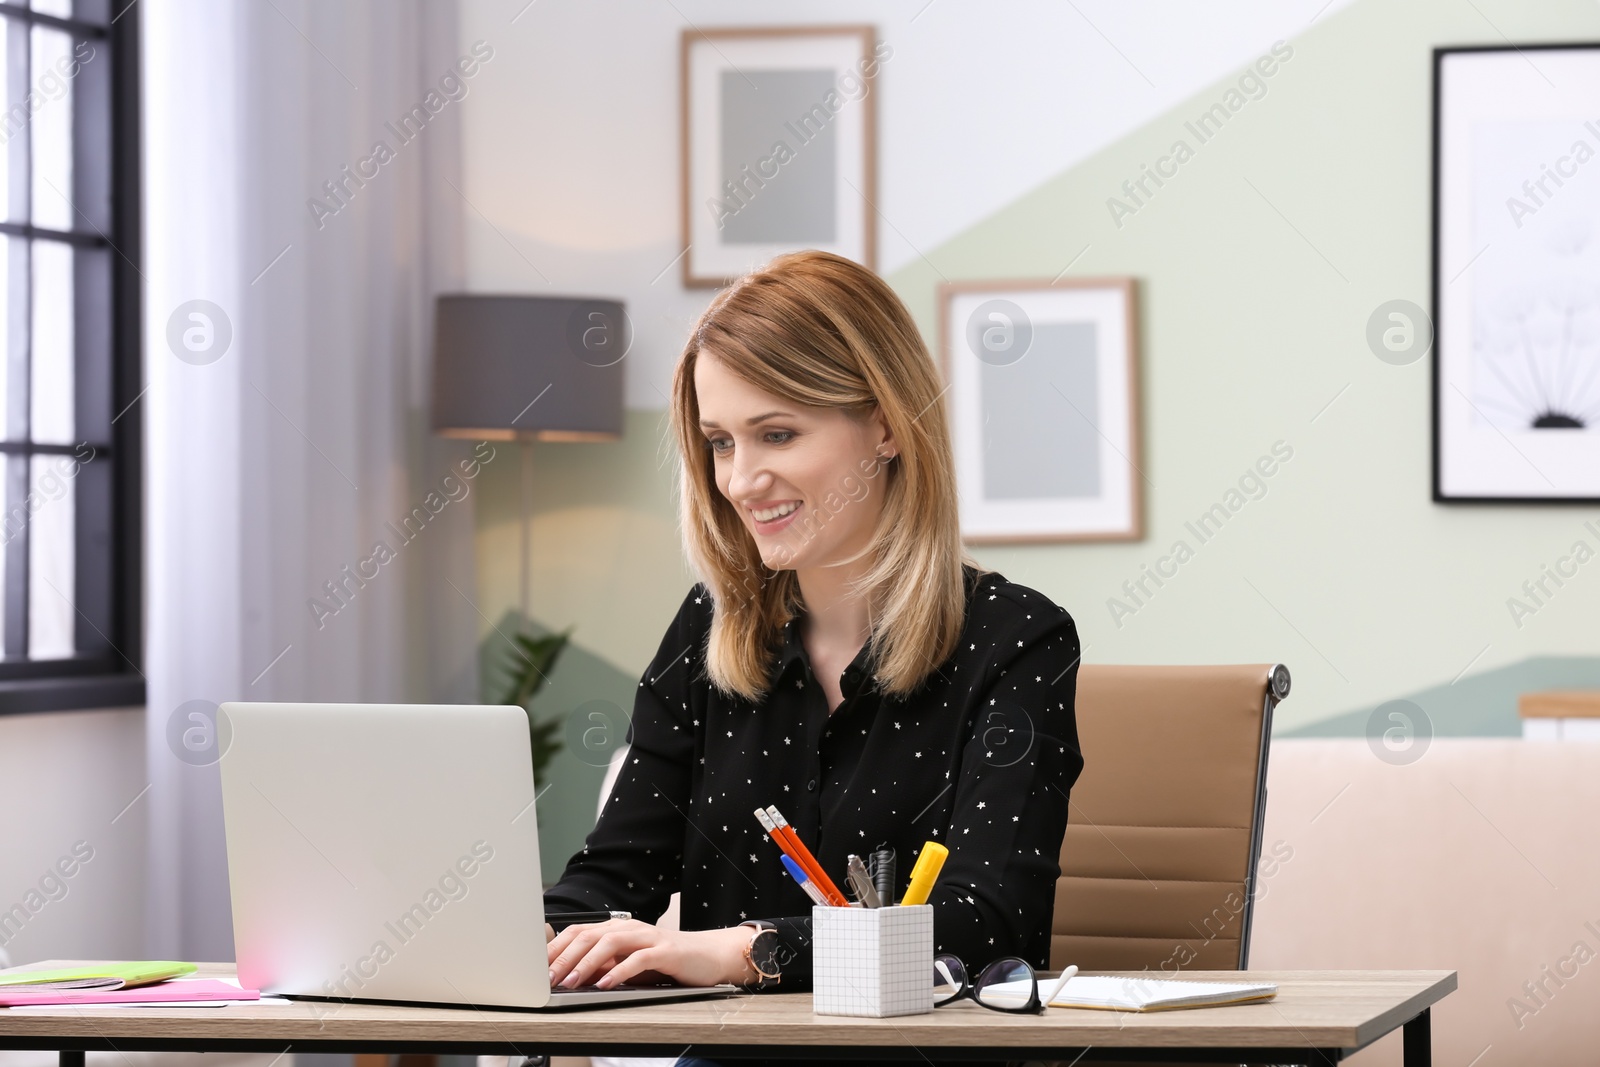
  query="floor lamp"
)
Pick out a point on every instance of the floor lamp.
point(526, 369)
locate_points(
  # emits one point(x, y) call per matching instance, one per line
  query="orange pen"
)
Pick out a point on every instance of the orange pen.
point(786, 840)
point(789, 842)
point(803, 856)
point(782, 841)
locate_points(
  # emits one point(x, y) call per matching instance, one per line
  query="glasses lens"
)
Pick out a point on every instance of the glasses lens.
point(1006, 984)
point(949, 979)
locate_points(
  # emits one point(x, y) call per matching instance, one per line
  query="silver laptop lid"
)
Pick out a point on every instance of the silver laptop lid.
point(384, 851)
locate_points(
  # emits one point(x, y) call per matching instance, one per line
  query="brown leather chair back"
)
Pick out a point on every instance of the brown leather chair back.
point(1164, 832)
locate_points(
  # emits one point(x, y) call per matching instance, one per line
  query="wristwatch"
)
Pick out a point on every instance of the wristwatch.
point(762, 954)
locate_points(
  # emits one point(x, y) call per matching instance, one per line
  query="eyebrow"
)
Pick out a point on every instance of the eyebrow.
point(752, 420)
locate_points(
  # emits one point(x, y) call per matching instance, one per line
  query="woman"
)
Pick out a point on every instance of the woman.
point(842, 659)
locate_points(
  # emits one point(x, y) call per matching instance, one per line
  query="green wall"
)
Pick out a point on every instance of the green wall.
point(1259, 264)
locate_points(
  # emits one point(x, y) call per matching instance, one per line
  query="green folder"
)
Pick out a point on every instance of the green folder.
point(101, 976)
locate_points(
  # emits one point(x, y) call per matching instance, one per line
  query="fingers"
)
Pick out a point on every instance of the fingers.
point(593, 948)
point(549, 933)
point(567, 934)
point(632, 966)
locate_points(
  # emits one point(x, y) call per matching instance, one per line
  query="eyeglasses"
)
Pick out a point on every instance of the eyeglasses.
point(1005, 985)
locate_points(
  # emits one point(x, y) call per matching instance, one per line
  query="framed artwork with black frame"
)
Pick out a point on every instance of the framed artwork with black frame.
point(1043, 387)
point(1516, 274)
point(779, 131)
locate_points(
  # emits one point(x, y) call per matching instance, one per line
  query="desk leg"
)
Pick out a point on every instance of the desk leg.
point(1416, 1040)
point(71, 1059)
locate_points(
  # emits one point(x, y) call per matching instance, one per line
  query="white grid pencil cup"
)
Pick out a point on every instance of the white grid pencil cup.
point(875, 962)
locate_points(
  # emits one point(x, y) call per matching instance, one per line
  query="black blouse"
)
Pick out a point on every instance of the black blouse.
point(981, 757)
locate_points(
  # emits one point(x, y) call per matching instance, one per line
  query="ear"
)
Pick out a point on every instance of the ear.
point(886, 445)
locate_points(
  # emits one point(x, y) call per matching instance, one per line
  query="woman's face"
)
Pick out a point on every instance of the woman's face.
point(807, 482)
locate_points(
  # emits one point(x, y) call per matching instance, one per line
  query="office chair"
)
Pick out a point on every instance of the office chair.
point(1159, 862)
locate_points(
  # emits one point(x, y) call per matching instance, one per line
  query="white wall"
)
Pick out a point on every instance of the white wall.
point(68, 778)
point(570, 138)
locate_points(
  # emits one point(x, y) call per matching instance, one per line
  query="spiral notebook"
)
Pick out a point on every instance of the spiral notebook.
point(1155, 994)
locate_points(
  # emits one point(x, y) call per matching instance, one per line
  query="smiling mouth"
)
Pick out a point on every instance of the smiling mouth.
point(770, 514)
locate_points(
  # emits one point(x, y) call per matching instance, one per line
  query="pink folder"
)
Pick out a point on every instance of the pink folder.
point(179, 989)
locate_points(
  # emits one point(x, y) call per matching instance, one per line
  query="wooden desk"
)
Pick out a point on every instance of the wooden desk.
point(1317, 1017)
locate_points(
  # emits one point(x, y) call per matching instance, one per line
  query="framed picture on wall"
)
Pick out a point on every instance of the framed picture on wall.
point(1043, 387)
point(1516, 274)
point(778, 133)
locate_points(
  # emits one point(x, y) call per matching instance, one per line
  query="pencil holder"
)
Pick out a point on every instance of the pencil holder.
point(874, 962)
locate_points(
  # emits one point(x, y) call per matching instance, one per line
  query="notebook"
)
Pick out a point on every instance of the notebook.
point(190, 990)
point(1156, 994)
point(99, 976)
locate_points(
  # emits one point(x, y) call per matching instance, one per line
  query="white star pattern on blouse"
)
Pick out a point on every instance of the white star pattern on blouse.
point(653, 839)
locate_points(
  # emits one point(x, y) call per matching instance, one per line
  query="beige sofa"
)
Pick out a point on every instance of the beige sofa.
point(1482, 856)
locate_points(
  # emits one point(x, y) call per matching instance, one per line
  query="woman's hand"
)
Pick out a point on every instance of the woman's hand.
point(622, 950)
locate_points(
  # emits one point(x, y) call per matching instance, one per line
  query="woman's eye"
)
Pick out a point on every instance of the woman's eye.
point(785, 434)
point(716, 443)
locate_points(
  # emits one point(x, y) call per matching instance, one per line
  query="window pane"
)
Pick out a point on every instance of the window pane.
point(9, 124)
point(7, 335)
point(51, 379)
point(82, 10)
point(13, 531)
point(14, 122)
point(52, 129)
point(50, 558)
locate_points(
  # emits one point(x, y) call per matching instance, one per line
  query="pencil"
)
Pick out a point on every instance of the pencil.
point(807, 861)
point(786, 840)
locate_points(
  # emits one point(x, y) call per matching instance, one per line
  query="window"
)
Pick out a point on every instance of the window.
point(70, 374)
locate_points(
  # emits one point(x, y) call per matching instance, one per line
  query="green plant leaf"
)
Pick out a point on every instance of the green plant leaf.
point(525, 667)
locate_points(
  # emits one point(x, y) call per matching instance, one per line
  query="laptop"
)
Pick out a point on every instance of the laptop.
point(391, 852)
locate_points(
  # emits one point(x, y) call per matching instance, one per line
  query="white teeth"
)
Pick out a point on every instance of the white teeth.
point(777, 512)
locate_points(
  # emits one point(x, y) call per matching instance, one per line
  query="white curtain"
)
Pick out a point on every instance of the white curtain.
point(273, 468)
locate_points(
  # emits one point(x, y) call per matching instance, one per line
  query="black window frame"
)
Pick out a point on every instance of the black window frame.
point(109, 574)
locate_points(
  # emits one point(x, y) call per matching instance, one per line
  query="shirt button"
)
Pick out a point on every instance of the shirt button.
point(811, 786)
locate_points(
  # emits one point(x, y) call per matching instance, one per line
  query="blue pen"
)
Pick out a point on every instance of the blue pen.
point(799, 875)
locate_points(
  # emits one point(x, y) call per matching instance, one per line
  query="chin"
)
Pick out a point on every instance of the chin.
point(779, 557)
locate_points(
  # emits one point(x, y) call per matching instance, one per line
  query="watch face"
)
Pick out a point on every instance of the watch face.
point(764, 952)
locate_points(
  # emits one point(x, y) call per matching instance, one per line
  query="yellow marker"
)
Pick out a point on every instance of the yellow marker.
point(925, 872)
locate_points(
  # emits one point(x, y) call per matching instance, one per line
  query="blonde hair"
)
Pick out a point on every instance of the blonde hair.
point(820, 330)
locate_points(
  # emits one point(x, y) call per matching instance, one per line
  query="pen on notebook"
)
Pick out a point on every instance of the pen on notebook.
point(786, 840)
point(800, 876)
point(860, 883)
point(1061, 983)
point(925, 872)
point(805, 859)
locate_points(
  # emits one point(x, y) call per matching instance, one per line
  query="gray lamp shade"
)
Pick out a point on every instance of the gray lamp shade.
point(529, 367)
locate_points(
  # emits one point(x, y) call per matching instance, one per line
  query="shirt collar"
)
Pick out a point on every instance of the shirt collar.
point(793, 650)
point(793, 656)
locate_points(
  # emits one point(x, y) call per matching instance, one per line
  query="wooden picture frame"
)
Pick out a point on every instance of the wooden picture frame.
point(777, 146)
point(1063, 461)
point(1516, 353)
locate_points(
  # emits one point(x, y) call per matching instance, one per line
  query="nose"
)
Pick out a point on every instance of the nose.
point(748, 480)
